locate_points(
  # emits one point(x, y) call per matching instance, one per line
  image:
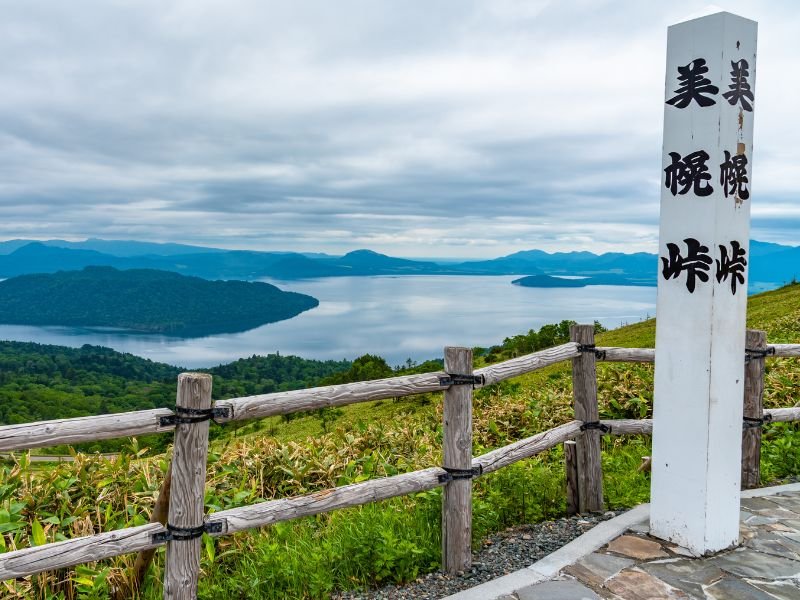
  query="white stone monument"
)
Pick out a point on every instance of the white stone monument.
point(702, 281)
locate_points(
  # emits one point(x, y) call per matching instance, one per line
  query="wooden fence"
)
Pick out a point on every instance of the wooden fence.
point(185, 509)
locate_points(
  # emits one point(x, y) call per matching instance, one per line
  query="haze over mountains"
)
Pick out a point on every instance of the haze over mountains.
point(768, 262)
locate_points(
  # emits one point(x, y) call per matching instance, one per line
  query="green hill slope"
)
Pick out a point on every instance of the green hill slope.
point(777, 312)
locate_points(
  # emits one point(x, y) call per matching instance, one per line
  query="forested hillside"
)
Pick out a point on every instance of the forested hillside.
point(145, 300)
point(40, 382)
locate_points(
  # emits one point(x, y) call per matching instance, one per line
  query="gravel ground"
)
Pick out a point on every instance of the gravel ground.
point(499, 555)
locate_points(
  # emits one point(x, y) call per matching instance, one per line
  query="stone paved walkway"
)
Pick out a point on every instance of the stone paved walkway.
point(635, 566)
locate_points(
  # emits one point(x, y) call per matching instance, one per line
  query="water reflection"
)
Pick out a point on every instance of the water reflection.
point(396, 317)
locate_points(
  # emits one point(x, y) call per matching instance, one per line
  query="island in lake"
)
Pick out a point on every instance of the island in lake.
point(145, 300)
point(548, 281)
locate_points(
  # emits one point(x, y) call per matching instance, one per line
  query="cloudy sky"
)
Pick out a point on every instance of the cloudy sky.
point(428, 128)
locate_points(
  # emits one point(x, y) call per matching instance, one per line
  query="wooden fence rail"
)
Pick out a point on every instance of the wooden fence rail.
point(43, 434)
point(191, 445)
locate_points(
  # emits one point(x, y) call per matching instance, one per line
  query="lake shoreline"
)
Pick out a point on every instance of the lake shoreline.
point(399, 317)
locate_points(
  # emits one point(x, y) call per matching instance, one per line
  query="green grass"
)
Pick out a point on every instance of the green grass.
point(390, 541)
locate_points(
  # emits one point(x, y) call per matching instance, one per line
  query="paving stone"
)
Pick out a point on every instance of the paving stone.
point(509, 597)
point(781, 590)
point(557, 590)
point(636, 547)
point(756, 504)
point(733, 588)
point(643, 527)
point(634, 584)
point(688, 575)
point(778, 513)
point(792, 510)
point(608, 595)
point(747, 533)
point(759, 520)
point(680, 550)
point(792, 504)
point(780, 527)
point(790, 540)
point(775, 544)
point(749, 563)
point(595, 568)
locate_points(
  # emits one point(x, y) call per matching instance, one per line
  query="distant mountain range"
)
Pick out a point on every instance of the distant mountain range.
point(769, 263)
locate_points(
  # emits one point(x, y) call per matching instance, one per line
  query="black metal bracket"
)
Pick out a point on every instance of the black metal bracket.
point(596, 425)
point(454, 474)
point(754, 353)
point(599, 354)
point(186, 533)
point(455, 379)
point(755, 422)
point(185, 415)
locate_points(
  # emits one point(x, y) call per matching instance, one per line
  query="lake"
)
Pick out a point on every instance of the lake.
point(396, 317)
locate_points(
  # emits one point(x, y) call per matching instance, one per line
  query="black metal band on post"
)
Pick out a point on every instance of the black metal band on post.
point(456, 379)
point(453, 474)
point(181, 534)
point(754, 353)
point(596, 425)
point(755, 422)
point(185, 415)
point(598, 354)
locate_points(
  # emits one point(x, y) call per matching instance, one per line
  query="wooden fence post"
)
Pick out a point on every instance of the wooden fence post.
point(186, 509)
point(584, 389)
point(457, 495)
point(571, 467)
point(753, 409)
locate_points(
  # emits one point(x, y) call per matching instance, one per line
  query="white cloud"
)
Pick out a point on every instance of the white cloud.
point(478, 128)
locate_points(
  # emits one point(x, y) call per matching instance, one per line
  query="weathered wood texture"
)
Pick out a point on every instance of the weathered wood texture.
point(355, 494)
point(786, 349)
point(502, 457)
point(783, 414)
point(457, 494)
point(753, 409)
point(187, 495)
point(571, 468)
point(613, 354)
point(268, 405)
point(629, 426)
point(584, 389)
point(281, 403)
point(82, 429)
point(159, 515)
point(528, 363)
point(58, 555)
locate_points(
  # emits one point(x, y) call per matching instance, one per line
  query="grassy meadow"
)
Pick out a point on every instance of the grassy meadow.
point(391, 541)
